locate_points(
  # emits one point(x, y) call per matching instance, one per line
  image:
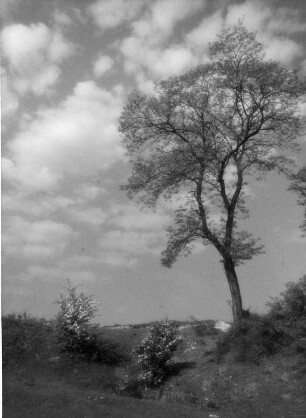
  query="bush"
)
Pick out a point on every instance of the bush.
point(203, 328)
point(24, 338)
point(155, 353)
point(75, 333)
point(291, 306)
point(251, 338)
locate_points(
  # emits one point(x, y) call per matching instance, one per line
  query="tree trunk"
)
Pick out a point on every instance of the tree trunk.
point(234, 288)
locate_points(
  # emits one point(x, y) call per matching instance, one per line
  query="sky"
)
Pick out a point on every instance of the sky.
point(67, 70)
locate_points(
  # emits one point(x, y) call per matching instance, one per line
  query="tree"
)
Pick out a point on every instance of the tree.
point(202, 135)
point(298, 185)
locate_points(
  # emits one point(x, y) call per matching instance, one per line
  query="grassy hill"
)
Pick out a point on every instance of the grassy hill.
point(39, 381)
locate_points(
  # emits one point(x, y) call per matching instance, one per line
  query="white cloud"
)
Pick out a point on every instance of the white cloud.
point(162, 17)
point(206, 31)
point(102, 65)
point(272, 26)
point(9, 99)
point(145, 53)
point(111, 13)
point(54, 273)
point(131, 242)
point(35, 239)
point(19, 202)
point(8, 7)
point(283, 50)
point(34, 62)
point(133, 233)
point(61, 18)
point(78, 138)
point(92, 216)
point(129, 217)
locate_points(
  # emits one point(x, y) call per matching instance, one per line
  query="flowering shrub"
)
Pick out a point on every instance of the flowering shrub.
point(155, 352)
point(75, 333)
point(292, 303)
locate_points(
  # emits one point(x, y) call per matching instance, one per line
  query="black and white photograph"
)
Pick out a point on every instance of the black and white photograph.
point(153, 195)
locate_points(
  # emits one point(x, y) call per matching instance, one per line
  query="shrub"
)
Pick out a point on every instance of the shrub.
point(251, 338)
point(75, 333)
point(203, 328)
point(24, 338)
point(156, 351)
point(291, 305)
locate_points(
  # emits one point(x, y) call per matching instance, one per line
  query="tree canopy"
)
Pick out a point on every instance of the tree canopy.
point(202, 135)
point(298, 185)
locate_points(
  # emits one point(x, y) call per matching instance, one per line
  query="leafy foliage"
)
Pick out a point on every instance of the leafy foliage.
point(77, 335)
point(155, 352)
point(298, 185)
point(202, 135)
point(288, 312)
point(24, 338)
point(251, 338)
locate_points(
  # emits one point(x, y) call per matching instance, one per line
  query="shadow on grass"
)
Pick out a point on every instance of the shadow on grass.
point(176, 368)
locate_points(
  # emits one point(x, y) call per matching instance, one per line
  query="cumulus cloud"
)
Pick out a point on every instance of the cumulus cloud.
point(131, 242)
point(102, 65)
point(132, 233)
point(273, 26)
point(283, 49)
point(8, 7)
point(206, 32)
point(92, 216)
point(34, 62)
point(111, 13)
point(9, 98)
point(76, 139)
point(42, 239)
point(145, 53)
point(55, 273)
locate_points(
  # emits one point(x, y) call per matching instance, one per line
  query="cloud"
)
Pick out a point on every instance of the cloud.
point(206, 32)
point(54, 273)
point(61, 18)
point(273, 26)
point(34, 62)
point(92, 216)
point(283, 50)
point(9, 98)
point(42, 239)
point(109, 14)
point(145, 53)
point(129, 217)
point(8, 8)
point(132, 233)
point(163, 15)
point(102, 65)
point(131, 242)
point(76, 139)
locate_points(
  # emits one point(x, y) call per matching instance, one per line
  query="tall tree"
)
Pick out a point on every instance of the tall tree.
point(298, 185)
point(202, 135)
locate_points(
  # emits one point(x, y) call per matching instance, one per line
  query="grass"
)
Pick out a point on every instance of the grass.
point(40, 382)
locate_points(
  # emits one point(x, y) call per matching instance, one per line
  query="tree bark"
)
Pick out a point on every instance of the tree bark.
point(234, 288)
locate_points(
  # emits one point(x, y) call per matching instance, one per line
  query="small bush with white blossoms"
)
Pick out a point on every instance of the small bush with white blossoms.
point(156, 351)
point(75, 333)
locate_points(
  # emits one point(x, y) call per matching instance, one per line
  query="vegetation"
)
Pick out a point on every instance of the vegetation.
point(298, 185)
point(200, 138)
point(234, 374)
point(76, 334)
point(156, 351)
